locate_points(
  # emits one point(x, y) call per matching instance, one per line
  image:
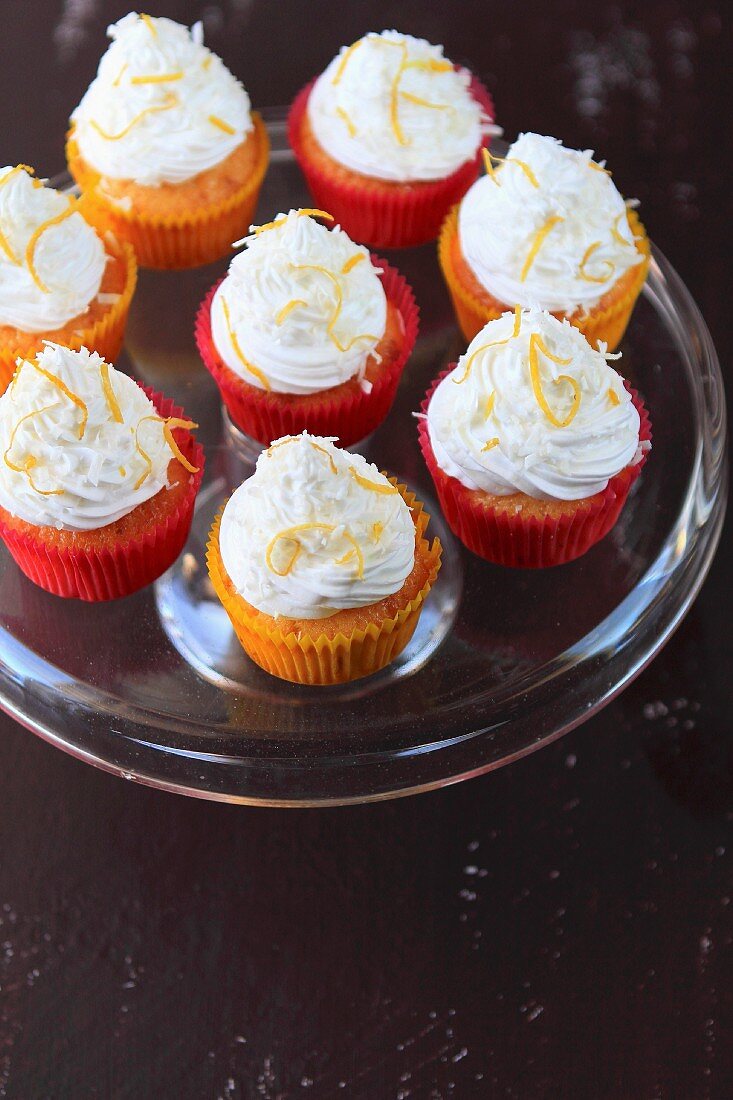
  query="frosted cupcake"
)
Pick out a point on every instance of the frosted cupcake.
point(545, 227)
point(98, 477)
point(533, 441)
point(388, 137)
point(165, 147)
point(321, 563)
point(307, 331)
point(59, 279)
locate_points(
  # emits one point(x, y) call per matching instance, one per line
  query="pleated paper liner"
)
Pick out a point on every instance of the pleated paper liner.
point(102, 332)
point(500, 529)
point(475, 307)
point(172, 241)
point(345, 646)
point(344, 411)
point(376, 212)
point(96, 566)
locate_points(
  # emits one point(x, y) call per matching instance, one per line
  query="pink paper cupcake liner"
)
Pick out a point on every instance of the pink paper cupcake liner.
point(529, 542)
point(344, 411)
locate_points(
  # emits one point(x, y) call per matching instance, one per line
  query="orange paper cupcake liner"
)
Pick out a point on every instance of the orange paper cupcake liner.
point(345, 411)
point(109, 572)
point(377, 212)
point(508, 537)
point(475, 307)
point(171, 242)
point(332, 657)
point(105, 335)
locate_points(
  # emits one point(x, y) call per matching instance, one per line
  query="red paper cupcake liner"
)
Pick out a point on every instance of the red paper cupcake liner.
point(378, 214)
point(109, 573)
point(344, 411)
point(529, 542)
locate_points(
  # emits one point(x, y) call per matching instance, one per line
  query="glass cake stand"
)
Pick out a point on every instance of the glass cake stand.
point(156, 689)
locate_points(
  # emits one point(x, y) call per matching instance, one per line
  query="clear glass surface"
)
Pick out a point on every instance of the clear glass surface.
point(156, 689)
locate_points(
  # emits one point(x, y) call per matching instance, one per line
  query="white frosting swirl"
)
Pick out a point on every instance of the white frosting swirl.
point(322, 340)
point(51, 477)
point(68, 258)
point(582, 255)
point(527, 452)
point(304, 538)
point(392, 106)
point(188, 118)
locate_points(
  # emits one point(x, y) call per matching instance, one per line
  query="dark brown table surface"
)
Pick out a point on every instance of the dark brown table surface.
point(561, 928)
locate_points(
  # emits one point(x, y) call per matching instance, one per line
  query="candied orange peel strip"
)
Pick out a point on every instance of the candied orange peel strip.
point(489, 158)
point(316, 446)
point(489, 163)
point(337, 311)
point(14, 172)
point(491, 344)
point(220, 124)
point(304, 212)
point(143, 453)
point(291, 533)
point(4, 243)
point(35, 238)
point(420, 102)
point(586, 257)
point(170, 101)
point(31, 461)
point(109, 393)
point(239, 353)
point(490, 444)
point(375, 487)
point(73, 397)
point(344, 116)
point(351, 263)
point(169, 427)
point(287, 309)
point(431, 66)
point(147, 20)
point(539, 240)
point(350, 554)
point(526, 169)
point(345, 58)
point(599, 168)
point(616, 234)
point(613, 397)
point(393, 99)
point(536, 345)
point(281, 443)
point(158, 78)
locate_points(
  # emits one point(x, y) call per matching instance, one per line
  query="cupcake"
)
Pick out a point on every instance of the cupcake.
point(533, 441)
point(307, 331)
point(545, 227)
point(164, 146)
point(98, 477)
point(321, 563)
point(388, 137)
point(59, 278)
